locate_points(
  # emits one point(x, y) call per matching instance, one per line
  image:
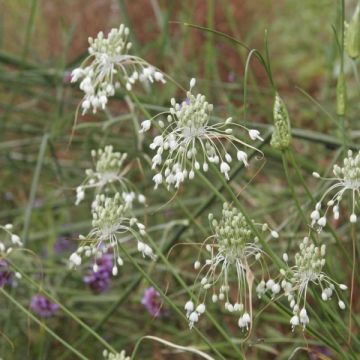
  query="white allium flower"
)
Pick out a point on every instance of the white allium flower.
point(118, 356)
point(306, 272)
point(233, 251)
point(112, 225)
point(190, 140)
point(109, 169)
point(346, 178)
point(108, 66)
point(10, 240)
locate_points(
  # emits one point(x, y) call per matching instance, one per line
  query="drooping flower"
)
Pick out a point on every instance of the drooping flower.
point(112, 225)
point(347, 178)
point(9, 241)
point(43, 306)
point(190, 141)
point(109, 170)
point(152, 302)
point(307, 272)
point(100, 280)
point(233, 250)
point(118, 356)
point(109, 66)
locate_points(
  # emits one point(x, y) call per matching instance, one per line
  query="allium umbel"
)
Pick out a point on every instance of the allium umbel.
point(109, 66)
point(109, 170)
point(190, 141)
point(112, 225)
point(233, 251)
point(347, 178)
point(308, 272)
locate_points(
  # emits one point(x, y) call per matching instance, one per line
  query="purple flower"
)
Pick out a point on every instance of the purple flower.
point(43, 306)
point(63, 245)
point(100, 280)
point(5, 273)
point(151, 301)
point(318, 352)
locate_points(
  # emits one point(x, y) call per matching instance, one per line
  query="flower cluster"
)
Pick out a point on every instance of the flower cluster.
point(346, 178)
point(190, 141)
point(109, 169)
point(11, 240)
point(151, 301)
point(118, 356)
point(100, 280)
point(307, 271)
point(108, 66)
point(233, 250)
point(43, 306)
point(112, 225)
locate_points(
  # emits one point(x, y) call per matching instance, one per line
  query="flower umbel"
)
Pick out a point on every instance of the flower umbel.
point(109, 169)
point(233, 250)
point(111, 225)
point(346, 178)
point(306, 272)
point(190, 141)
point(108, 66)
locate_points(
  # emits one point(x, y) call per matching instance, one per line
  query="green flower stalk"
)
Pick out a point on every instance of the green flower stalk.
point(352, 35)
point(281, 137)
point(341, 95)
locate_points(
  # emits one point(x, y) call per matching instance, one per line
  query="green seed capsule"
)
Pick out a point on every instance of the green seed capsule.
point(352, 35)
point(281, 137)
point(341, 97)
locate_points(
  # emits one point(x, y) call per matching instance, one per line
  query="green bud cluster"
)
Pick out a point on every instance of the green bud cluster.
point(352, 35)
point(281, 137)
point(107, 161)
point(232, 231)
point(310, 260)
point(350, 172)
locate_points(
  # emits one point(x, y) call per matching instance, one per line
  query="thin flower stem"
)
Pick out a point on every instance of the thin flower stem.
point(42, 325)
point(352, 280)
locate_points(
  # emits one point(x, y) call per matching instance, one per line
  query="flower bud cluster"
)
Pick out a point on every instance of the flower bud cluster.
point(118, 356)
point(307, 272)
point(234, 248)
point(281, 137)
point(109, 169)
point(112, 224)
point(347, 178)
point(190, 141)
point(109, 66)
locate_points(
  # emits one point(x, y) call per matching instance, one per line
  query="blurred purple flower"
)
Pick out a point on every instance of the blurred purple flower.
point(318, 353)
point(100, 280)
point(5, 273)
point(63, 245)
point(151, 301)
point(43, 306)
point(67, 77)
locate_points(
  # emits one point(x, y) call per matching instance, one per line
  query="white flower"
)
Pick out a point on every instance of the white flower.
point(145, 126)
point(306, 272)
point(347, 178)
point(233, 250)
point(112, 225)
point(115, 356)
point(190, 140)
point(109, 169)
point(9, 241)
point(108, 65)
